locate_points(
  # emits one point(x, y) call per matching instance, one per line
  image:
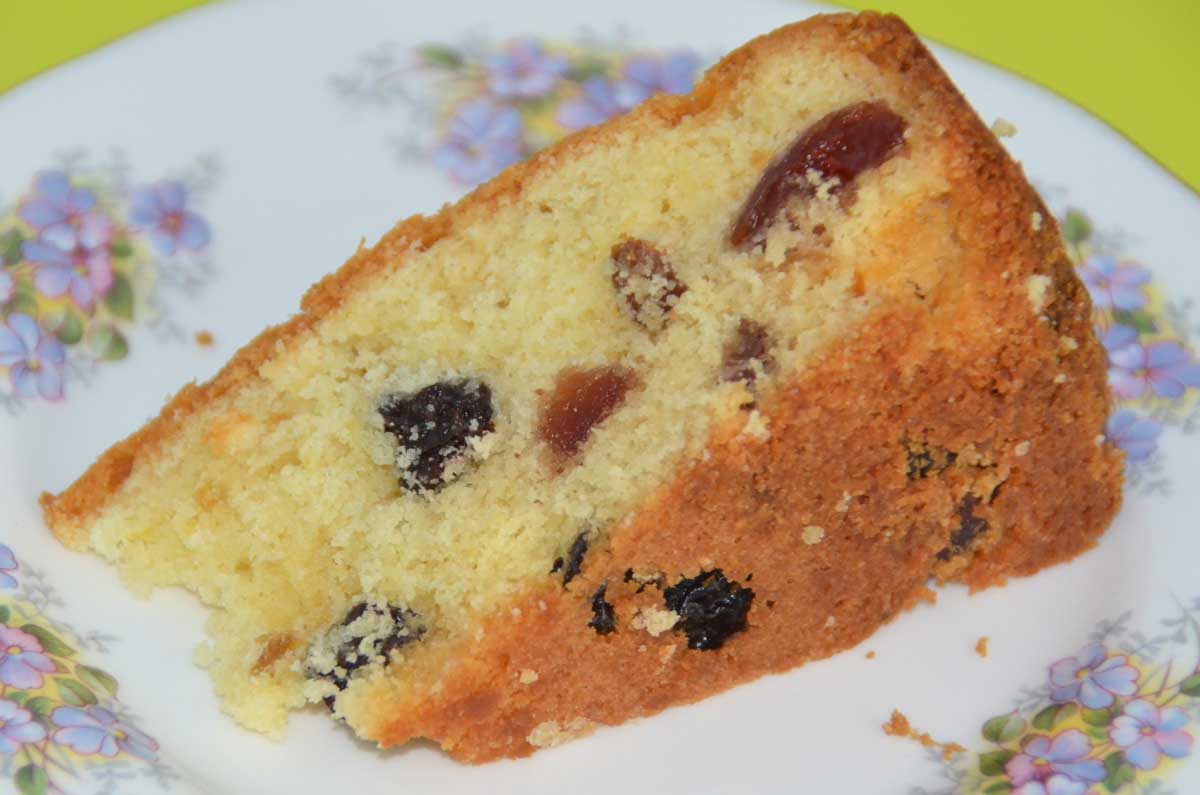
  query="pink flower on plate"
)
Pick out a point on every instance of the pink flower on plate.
point(1165, 368)
point(1146, 733)
point(1092, 678)
point(22, 659)
point(95, 730)
point(17, 728)
point(1055, 765)
point(8, 285)
point(8, 563)
point(73, 260)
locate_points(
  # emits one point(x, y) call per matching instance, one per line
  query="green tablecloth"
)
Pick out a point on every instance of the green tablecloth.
point(1134, 65)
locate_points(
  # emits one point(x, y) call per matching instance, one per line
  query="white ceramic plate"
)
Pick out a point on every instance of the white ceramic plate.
point(296, 129)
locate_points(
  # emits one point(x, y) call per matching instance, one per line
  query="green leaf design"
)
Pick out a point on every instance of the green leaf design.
point(49, 641)
point(121, 248)
point(97, 679)
point(1118, 772)
point(31, 780)
point(21, 302)
point(1053, 715)
point(1141, 321)
point(1191, 686)
point(440, 56)
point(40, 706)
point(1076, 227)
point(17, 696)
point(109, 344)
point(1098, 717)
point(69, 329)
point(5, 614)
point(1004, 728)
point(999, 788)
point(585, 67)
point(10, 247)
point(119, 299)
point(992, 763)
point(75, 693)
point(1096, 732)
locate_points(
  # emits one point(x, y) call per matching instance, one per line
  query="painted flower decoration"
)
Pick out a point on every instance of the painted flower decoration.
point(73, 260)
point(160, 211)
point(1054, 766)
point(525, 70)
point(1146, 732)
point(1113, 285)
point(55, 207)
point(22, 659)
point(642, 77)
point(1092, 678)
point(482, 139)
point(1137, 436)
point(8, 562)
point(1165, 368)
point(34, 359)
point(596, 103)
point(7, 285)
point(17, 728)
point(95, 730)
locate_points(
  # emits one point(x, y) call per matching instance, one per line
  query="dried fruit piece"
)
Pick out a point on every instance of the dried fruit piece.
point(274, 647)
point(604, 618)
point(581, 400)
point(645, 282)
point(574, 559)
point(710, 608)
point(434, 428)
point(970, 527)
point(925, 459)
point(831, 152)
point(368, 634)
point(751, 344)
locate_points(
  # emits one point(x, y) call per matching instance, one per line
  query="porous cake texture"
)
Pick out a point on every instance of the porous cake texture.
point(698, 395)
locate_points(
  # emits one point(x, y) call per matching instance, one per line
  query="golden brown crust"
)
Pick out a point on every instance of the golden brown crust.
point(974, 371)
point(884, 38)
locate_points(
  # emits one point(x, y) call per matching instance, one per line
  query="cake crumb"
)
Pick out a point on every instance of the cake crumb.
point(813, 534)
point(548, 734)
point(830, 622)
point(756, 427)
point(1003, 128)
point(204, 339)
point(666, 653)
point(1036, 289)
point(898, 726)
point(981, 646)
point(516, 612)
point(871, 655)
point(1036, 221)
point(1067, 343)
point(1022, 449)
point(542, 605)
point(844, 503)
point(642, 647)
point(654, 620)
point(1061, 378)
point(528, 676)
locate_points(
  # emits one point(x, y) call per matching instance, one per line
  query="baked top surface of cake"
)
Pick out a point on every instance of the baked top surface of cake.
point(723, 427)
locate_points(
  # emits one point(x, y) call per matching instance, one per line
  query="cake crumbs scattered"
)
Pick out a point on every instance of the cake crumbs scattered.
point(1022, 449)
point(654, 620)
point(1068, 343)
point(830, 622)
point(981, 646)
point(813, 534)
point(1036, 221)
point(528, 676)
point(1061, 378)
point(871, 655)
point(550, 733)
point(844, 503)
point(204, 339)
point(898, 726)
point(756, 427)
point(1003, 128)
point(1037, 287)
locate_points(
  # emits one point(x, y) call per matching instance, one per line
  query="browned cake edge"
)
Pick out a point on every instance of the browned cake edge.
point(883, 38)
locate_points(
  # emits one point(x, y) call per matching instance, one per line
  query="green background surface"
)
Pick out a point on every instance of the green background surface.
point(1135, 65)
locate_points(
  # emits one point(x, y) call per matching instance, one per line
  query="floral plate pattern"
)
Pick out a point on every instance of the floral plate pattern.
point(99, 267)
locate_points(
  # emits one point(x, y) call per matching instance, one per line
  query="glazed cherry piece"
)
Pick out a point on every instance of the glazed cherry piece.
point(840, 146)
point(581, 400)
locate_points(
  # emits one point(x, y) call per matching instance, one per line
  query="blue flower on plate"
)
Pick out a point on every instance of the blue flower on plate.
point(1136, 435)
point(524, 71)
point(22, 659)
point(34, 359)
point(17, 728)
point(1114, 285)
point(8, 563)
point(7, 285)
point(95, 730)
point(596, 102)
point(55, 206)
point(1165, 368)
point(161, 212)
point(482, 139)
point(1145, 732)
point(73, 259)
point(1092, 677)
point(644, 76)
point(1054, 766)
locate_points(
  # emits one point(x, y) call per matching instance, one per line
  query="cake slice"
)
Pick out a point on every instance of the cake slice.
point(698, 395)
